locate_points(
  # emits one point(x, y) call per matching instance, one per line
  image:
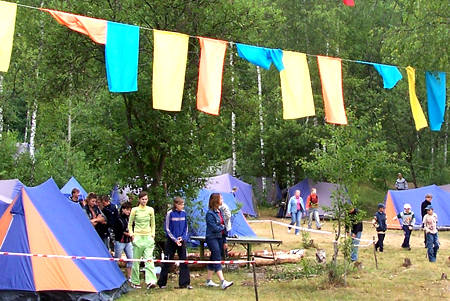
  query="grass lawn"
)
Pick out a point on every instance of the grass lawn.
point(391, 281)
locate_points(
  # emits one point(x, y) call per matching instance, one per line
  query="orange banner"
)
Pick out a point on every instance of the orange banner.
point(333, 96)
point(210, 74)
point(94, 28)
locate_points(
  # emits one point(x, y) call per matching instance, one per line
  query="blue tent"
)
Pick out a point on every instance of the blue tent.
point(324, 192)
point(42, 221)
point(244, 194)
point(71, 184)
point(9, 189)
point(196, 212)
point(396, 199)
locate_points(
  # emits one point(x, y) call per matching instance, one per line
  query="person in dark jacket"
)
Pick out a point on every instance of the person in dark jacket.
point(97, 218)
point(111, 213)
point(355, 232)
point(122, 236)
point(216, 240)
point(176, 229)
point(425, 204)
point(379, 221)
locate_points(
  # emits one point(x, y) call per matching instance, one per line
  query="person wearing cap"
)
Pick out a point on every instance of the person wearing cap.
point(427, 202)
point(429, 225)
point(401, 183)
point(408, 221)
point(379, 221)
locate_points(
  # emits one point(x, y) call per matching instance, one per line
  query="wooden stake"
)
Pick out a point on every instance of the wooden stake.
point(375, 252)
point(255, 282)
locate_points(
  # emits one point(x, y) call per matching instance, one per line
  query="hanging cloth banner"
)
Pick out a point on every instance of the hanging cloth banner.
point(390, 74)
point(7, 23)
point(349, 2)
point(262, 57)
point(94, 28)
point(417, 112)
point(296, 88)
point(169, 69)
point(210, 74)
point(436, 98)
point(122, 55)
point(330, 70)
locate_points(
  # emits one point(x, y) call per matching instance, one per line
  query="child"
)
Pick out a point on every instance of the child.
point(408, 221)
point(176, 229)
point(429, 225)
point(313, 203)
point(122, 235)
point(379, 221)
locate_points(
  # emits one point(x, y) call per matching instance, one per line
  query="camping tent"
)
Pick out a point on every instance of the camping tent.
point(118, 198)
point(71, 184)
point(244, 194)
point(8, 191)
point(324, 191)
point(395, 199)
point(196, 213)
point(41, 220)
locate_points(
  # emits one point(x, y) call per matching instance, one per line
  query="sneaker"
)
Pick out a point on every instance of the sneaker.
point(297, 233)
point(186, 287)
point(289, 230)
point(210, 283)
point(151, 286)
point(136, 286)
point(163, 287)
point(226, 284)
point(319, 228)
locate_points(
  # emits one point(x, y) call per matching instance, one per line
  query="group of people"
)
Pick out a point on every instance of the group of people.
point(134, 233)
point(296, 209)
point(429, 223)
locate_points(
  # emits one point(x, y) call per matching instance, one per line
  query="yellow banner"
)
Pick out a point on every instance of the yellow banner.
point(8, 12)
point(416, 108)
point(296, 86)
point(169, 69)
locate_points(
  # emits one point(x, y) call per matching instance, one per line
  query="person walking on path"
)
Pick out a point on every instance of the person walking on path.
point(216, 240)
point(379, 221)
point(295, 210)
point(430, 221)
point(401, 183)
point(425, 204)
point(143, 240)
point(408, 221)
point(312, 202)
point(176, 229)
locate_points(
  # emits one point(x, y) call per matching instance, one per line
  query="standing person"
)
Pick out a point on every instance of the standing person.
point(313, 203)
point(97, 218)
point(143, 241)
point(111, 213)
point(74, 197)
point(122, 235)
point(425, 204)
point(216, 240)
point(430, 221)
point(379, 221)
point(401, 183)
point(176, 229)
point(233, 191)
point(295, 210)
point(408, 221)
point(355, 231)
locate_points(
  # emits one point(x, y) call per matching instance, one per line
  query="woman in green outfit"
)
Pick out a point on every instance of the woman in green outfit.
point(143, 240)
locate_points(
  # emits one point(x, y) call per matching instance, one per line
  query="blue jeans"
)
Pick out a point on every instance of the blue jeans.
point(119, 247)
point(355, 243)
point(215, 245)
point(433, 246)
point(295, 219)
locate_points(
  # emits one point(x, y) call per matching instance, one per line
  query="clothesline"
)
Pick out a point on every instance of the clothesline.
point(229, 42)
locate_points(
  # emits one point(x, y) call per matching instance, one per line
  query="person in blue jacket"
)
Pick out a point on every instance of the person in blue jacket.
point(176, 229)
point(295, 209)
point(216, 240)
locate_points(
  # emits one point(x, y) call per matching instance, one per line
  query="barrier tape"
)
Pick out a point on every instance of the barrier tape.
point(126, 259)
point(307, 229)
